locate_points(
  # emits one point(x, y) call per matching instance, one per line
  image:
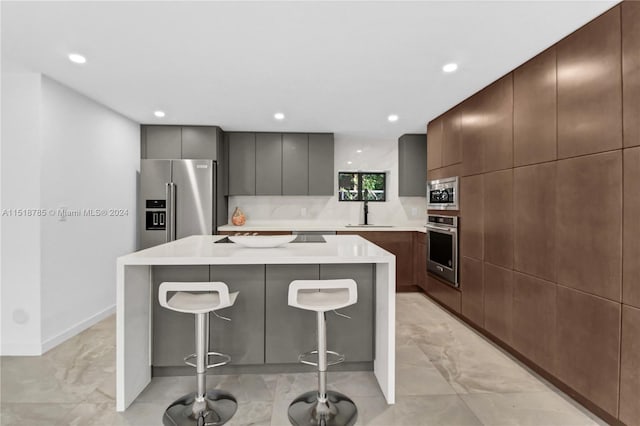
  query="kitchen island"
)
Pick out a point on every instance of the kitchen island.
point(135, 296)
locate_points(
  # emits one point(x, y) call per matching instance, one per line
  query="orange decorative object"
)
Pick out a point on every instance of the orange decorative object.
point(238, 218)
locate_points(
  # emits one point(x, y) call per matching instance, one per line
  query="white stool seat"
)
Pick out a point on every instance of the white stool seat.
point(217, 297)
point(322, 295)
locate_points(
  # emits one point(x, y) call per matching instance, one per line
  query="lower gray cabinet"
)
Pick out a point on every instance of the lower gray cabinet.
point(292, 331)
point(353, 337)
point(242, 337)
point(173, 332)
point(289, 331)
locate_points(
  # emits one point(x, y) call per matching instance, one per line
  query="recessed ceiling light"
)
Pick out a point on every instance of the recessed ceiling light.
point(359, 151)
point(159, 114)
point(278, 116)
point(77, 58)
point(392, 118)
point(349, 162)
point(450, 67)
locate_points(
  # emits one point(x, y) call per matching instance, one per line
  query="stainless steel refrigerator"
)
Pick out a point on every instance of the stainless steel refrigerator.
point(179, 198)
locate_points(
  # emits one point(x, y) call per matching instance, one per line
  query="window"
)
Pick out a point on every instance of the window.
point(362, 186)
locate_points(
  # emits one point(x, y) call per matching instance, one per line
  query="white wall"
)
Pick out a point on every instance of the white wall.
point(61, 149)
point(90, 159)
point(380, 155)
point(20, 157)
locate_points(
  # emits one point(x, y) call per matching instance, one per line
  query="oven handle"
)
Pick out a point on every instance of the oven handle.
point(444, 229)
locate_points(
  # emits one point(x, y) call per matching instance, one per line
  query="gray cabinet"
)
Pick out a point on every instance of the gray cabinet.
point(295, 164)
point(268, 164)
point(321, 170)
point(412, 160)
point(242, 163)
point(353, 337)
point(181, 142)
point(243, 337)
point(291, 331)
point(200, 142)
point(173, 332)
point(288, 331)
point(161, 142)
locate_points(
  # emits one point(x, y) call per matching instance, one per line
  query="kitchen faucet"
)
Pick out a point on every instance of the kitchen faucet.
point(366, 212)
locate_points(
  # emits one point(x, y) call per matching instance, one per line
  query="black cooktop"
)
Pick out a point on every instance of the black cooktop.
point(299, 239)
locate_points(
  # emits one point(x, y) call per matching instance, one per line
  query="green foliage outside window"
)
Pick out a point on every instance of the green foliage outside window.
point(361, 186)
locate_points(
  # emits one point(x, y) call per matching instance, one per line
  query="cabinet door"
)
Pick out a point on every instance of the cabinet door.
point(199, 143)
point(434, 144)
point(242, 163)
point(268, 164)
point(420, 261)
point(321, 170)
point(288, 331)
point(295, 164)
point(590, 103)
point(412, 173)
point(243, 337)
point(352, 337)
point(162, 142)
point(399, 243)
point(173, 332)
point(452, 137)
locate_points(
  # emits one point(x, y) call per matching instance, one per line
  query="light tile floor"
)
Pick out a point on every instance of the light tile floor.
point(446, 375)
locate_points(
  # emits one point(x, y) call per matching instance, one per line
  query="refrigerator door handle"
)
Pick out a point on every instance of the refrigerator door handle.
point(172, 211)
point(168, 222)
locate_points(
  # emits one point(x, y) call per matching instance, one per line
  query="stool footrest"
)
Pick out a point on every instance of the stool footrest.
point(339, 358)
point(226, 360)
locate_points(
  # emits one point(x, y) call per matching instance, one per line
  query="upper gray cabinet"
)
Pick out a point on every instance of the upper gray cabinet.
point(295, 164)
point(268, 164)
point(280, 163)
point(186, 142)
point(242, 163)
point(321, 170)
point(412, 170)
point(161, 142)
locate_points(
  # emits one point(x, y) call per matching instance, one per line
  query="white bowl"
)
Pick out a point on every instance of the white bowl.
point(257, 241)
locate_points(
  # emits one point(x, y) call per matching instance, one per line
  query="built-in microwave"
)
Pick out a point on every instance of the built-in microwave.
point(442, 247)
point(442, 194)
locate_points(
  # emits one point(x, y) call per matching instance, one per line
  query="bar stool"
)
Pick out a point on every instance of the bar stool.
point(322, 407)
point(203, 407)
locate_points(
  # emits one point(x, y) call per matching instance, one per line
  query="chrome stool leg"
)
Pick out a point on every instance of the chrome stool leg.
point(201, 408)
point(322, 407)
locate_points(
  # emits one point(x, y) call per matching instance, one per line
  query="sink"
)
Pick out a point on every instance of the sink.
point(369, 226)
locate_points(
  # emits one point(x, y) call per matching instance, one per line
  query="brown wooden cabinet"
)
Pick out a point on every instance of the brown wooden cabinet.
point(434, 144)
point(400, 243)
point(420, 259)
point(443, 293)
point(590, 88)
point(452, 137)
point(631, 71)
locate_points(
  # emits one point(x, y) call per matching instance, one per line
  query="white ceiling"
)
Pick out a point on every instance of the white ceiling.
point(329, 66)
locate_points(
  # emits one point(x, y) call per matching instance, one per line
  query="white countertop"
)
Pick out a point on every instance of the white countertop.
point(316, 226)
point(201, 250)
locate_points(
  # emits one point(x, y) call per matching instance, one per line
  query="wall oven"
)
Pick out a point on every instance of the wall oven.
point(442, 194)
point(442, 247)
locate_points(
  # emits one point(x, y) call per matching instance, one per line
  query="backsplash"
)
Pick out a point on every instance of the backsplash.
point(374, 156)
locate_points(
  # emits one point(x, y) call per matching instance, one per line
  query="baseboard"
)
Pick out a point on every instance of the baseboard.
point(20, 349)
point(77, 329)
